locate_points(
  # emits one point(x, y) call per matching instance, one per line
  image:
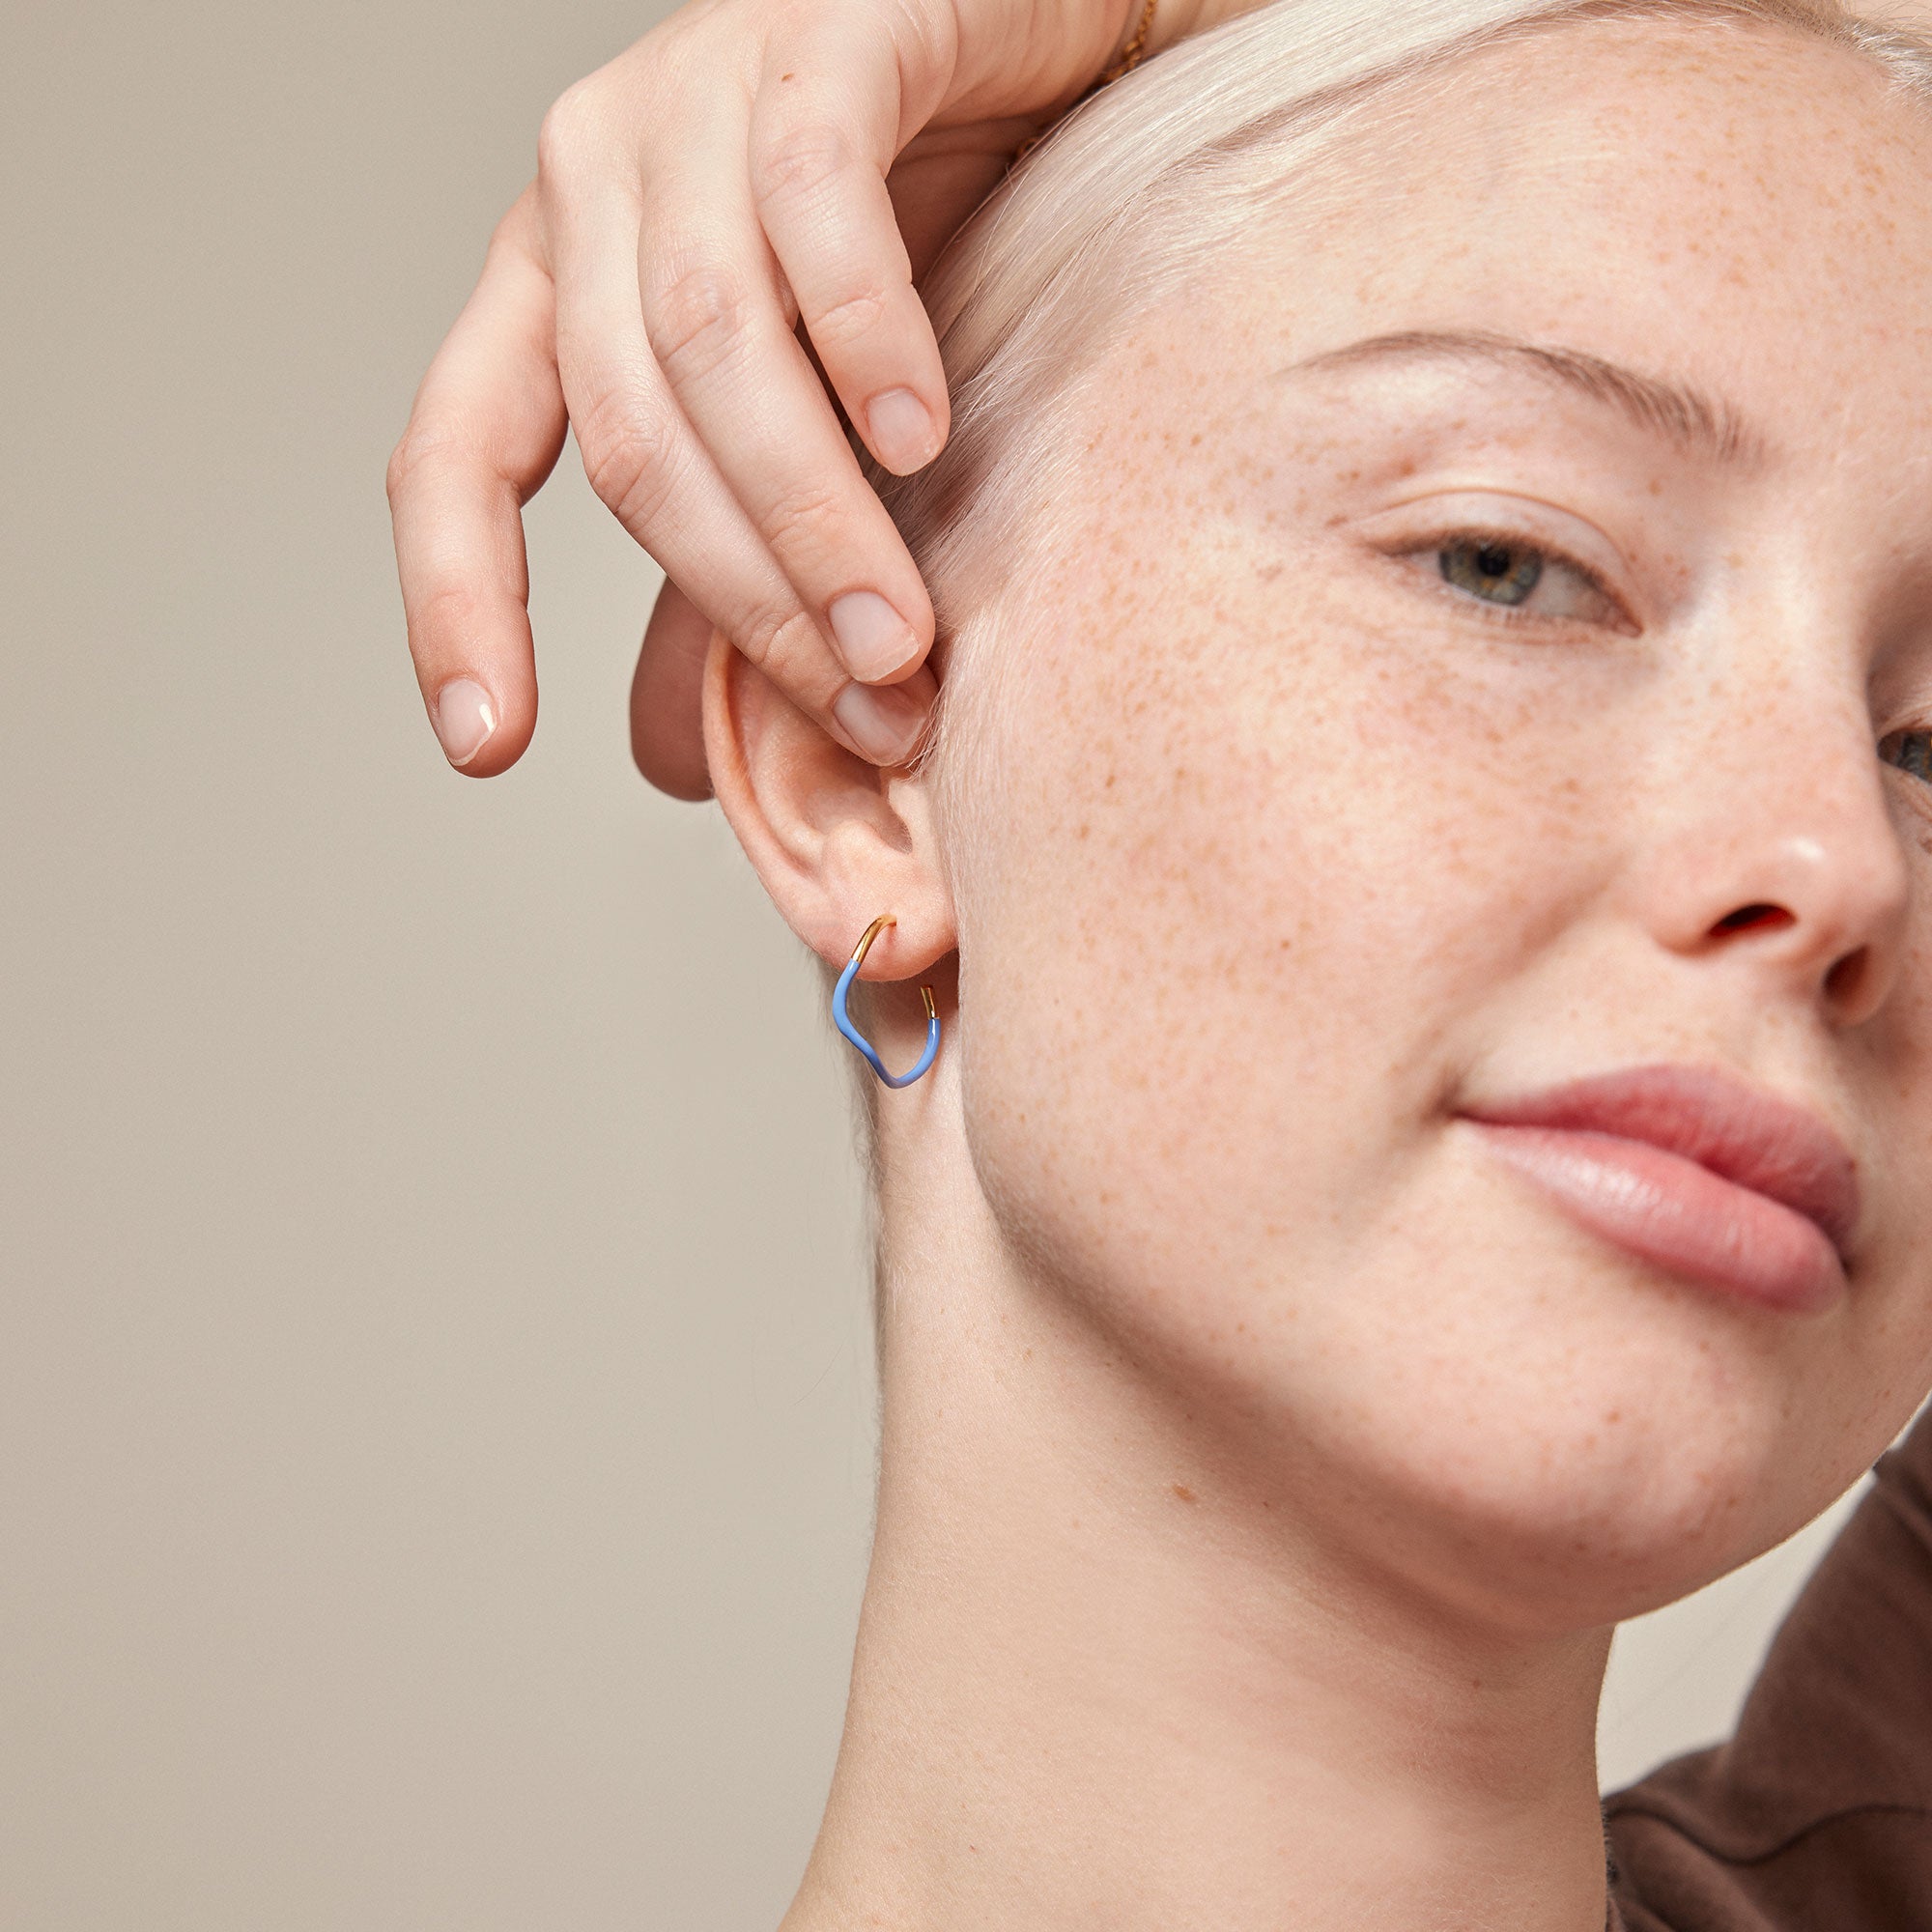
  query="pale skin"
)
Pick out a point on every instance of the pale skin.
point(720, 181)
point(1265, 1465)
point(746, 164)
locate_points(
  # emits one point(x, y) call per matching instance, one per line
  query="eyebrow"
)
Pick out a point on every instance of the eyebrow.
point(1659, 408)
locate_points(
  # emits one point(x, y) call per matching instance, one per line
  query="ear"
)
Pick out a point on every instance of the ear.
point(837, 840)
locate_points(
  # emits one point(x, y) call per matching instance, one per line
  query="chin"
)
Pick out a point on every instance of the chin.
point(1589, 1437)
point(1560, 1439)
point(1583, 1514)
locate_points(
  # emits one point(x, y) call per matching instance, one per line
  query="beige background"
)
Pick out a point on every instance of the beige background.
point(435, 1414)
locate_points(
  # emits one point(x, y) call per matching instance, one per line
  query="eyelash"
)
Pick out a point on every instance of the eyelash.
point(1430, 550)
point(1923, 776)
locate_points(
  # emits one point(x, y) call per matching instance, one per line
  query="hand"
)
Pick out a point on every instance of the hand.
point(721, 181)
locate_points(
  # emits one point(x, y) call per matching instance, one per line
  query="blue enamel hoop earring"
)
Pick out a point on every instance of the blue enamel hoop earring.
point(859, 1040)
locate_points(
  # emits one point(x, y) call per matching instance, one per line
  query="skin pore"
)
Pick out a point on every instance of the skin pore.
point(1408, 711)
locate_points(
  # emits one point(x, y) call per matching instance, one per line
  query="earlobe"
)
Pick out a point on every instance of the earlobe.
point(836, 840)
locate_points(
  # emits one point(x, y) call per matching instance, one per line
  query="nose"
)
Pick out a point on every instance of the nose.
point(1778, 850)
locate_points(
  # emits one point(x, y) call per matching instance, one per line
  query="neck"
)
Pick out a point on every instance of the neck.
point(1105, 1679)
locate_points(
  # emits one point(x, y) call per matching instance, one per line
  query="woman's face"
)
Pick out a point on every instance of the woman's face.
point(1489, 646)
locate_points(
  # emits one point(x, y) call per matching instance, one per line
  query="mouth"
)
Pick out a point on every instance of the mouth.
point(1694, 1170)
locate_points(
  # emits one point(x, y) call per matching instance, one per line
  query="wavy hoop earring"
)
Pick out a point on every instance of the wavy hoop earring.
point(859, 1040)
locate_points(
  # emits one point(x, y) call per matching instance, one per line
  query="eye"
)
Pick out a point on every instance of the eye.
point(1910, 751)
point(1515, 576)
point(1495, 572)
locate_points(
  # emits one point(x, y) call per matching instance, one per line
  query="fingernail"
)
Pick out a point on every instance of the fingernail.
point(886, 724)
point(465, 719)
point(900, 428)
point(873, 639)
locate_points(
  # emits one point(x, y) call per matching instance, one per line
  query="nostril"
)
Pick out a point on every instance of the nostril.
point(1845, 981)
point(1760, 918)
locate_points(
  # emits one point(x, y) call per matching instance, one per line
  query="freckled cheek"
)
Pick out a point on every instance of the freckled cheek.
point(1267, 868)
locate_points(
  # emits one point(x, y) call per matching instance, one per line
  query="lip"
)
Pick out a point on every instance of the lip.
point(1696, 1171)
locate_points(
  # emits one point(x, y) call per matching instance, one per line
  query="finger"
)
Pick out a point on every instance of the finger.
point(643, 456)
point(826, 125)
point(649, 467)
point(667, 697)
point(716, 331)
point(483, 435)
point(667, 704)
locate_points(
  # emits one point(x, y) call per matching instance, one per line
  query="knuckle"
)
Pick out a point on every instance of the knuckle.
point(928, 35)
point(798, 162)
point(807, 512)
point(849, 320)
point(445, 617)
point(426, 445)
point(632, 461)
point(396, 478)
point(696, 321)
point(565, 132)
point(511, 234)
point(778, 639)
